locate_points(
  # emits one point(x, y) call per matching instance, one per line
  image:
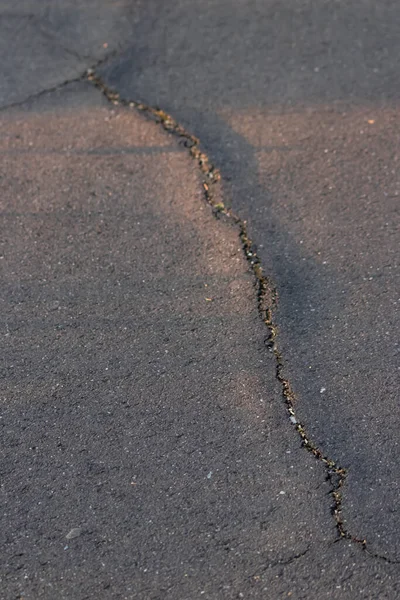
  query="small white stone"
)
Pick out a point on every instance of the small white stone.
point(75, 532)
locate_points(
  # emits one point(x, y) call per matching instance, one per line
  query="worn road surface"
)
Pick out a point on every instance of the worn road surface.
point(146, 446)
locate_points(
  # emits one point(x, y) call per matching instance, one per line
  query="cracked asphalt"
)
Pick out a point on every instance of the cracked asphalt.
point(146, 449)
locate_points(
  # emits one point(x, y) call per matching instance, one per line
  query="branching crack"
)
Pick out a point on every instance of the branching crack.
point(37, 95)
point(266, 298)
point(56, 87)
point(282, 562)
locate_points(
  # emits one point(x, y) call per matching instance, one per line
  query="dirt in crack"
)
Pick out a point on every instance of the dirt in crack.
point(266, 298)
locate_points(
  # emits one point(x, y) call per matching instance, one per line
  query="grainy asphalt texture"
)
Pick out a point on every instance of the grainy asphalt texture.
point(145, 447)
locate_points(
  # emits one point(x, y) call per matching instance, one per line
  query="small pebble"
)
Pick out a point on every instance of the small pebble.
point(75, 532)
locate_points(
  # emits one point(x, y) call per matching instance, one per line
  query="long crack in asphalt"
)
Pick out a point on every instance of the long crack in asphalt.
point(267, 296)
point(266, 299)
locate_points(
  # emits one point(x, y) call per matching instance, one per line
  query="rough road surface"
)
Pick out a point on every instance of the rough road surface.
point(146, 449)
point(297, 104)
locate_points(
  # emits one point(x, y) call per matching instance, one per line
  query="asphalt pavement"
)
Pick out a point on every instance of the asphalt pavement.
point(297, 104)
point(147, 449)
